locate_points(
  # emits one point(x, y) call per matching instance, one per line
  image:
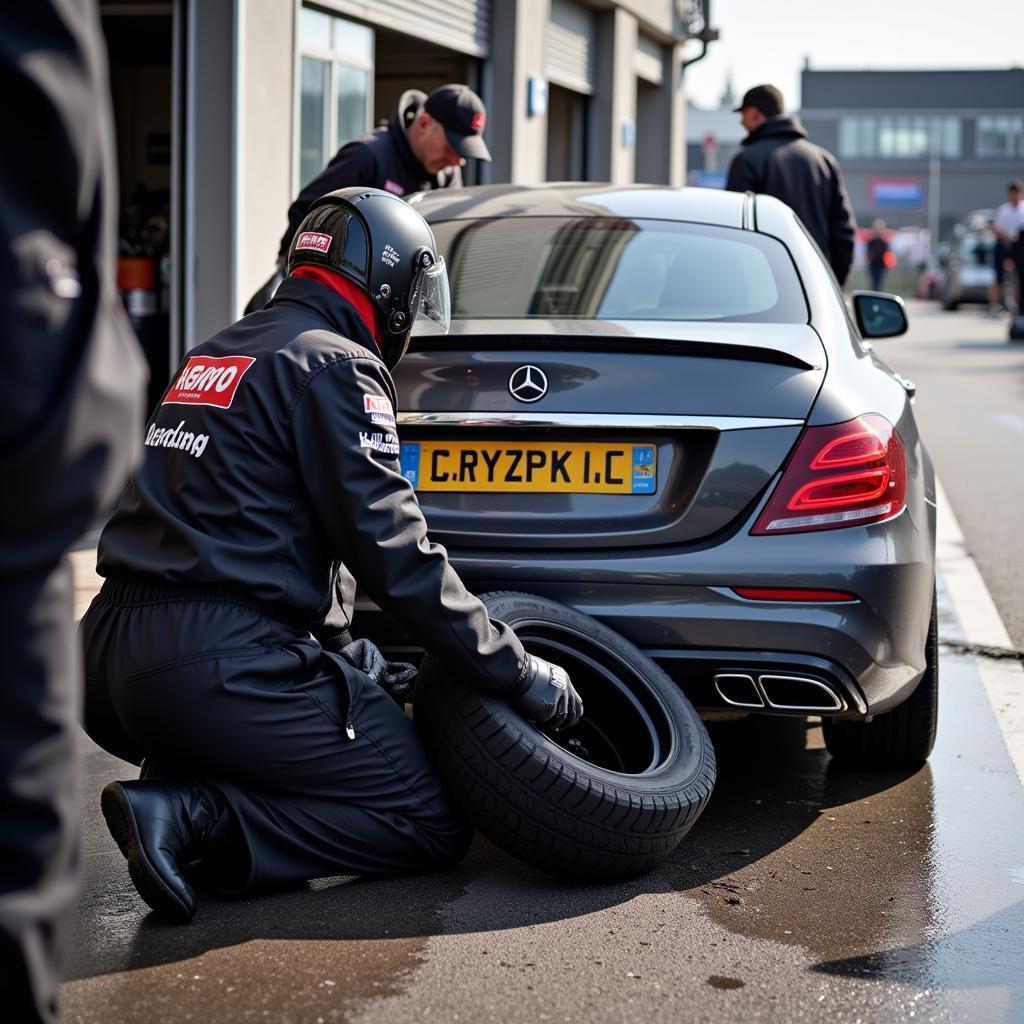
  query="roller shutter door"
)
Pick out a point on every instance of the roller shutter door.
point(570, 50)
point(462, 25)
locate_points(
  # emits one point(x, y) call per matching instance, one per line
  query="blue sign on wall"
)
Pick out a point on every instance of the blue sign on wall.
point(537, 97)
point(896, 191)
point(709, 179)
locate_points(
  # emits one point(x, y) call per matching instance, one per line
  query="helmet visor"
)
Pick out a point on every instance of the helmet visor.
point(430, 303)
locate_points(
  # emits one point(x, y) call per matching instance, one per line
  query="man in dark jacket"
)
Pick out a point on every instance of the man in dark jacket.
point(778, 160)
point(423, 147)
point(73, 404)
point(272, 465)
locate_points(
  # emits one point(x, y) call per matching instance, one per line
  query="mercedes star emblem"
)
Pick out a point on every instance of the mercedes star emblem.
point(528, 384)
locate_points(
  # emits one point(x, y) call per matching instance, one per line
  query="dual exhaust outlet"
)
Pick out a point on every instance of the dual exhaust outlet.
point(778, 692)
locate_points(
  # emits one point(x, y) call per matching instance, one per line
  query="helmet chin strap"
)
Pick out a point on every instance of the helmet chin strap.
point(353, 295)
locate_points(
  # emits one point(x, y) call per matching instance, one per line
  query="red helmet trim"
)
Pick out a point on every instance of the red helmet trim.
point(351, 293)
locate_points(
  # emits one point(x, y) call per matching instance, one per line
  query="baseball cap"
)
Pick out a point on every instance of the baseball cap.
point(765, 98)
point(463, 115)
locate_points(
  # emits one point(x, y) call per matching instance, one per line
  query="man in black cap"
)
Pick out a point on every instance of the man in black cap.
point(423, 147)
point(778, 160)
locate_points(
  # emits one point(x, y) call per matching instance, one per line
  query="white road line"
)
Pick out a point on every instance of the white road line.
point(981, 624)
point(1011, 420)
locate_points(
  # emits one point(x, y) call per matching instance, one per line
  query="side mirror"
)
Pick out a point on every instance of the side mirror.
point(879, 315)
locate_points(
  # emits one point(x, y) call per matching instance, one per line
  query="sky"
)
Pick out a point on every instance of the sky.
point(763, 41)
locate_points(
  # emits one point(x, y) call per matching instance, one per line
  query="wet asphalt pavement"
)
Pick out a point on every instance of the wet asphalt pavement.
point(803, 894)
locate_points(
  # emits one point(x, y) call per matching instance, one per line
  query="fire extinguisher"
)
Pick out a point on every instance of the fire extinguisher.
point(136, 281)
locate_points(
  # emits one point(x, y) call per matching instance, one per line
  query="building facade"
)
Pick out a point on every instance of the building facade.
point(226, 108)
point(919, 148)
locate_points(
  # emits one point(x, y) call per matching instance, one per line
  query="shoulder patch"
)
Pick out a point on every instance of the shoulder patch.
point(379, 410)
point(394, 188)
point(386, 444)
point(209, 380)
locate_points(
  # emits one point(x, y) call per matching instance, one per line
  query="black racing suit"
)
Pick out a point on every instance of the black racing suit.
point(381, 159)
point(272, 465)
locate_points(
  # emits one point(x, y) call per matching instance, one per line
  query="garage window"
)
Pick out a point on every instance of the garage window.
point(605, 268)
point(335, 87)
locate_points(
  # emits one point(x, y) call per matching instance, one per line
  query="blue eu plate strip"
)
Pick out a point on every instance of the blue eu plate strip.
point(411, 463)
point(644, 480)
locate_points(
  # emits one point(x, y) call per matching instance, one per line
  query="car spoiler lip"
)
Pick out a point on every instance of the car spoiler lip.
point(595, 421)
point(792, 344)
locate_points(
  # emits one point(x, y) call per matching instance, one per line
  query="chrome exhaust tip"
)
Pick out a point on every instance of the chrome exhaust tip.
point(799, 693)
point(738, 690)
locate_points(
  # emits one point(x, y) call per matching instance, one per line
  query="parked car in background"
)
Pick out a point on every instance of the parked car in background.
point(654, 406)
point(970, 269)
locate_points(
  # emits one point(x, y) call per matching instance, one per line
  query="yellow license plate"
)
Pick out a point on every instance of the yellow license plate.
point(538, 466)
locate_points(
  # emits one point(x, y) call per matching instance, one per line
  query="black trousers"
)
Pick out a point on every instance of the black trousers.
point(39, 694)
point(323, 771)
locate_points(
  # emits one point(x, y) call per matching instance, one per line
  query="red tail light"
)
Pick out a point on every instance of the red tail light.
point(792, 594)
point(846, 474)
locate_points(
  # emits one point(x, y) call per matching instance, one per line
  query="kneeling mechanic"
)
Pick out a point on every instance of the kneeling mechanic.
point(217, 649)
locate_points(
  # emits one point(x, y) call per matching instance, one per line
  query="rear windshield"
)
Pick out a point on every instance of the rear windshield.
point(610, 268)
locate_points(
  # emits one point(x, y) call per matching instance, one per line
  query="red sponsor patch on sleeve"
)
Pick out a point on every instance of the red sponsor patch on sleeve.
point(209, 380)
point(377, 403)
point(394, 188)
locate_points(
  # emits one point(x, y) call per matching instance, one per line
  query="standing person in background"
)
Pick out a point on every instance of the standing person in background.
point(69, 435)
point(878, 255)
point(423, 147)
point(778, 160)
point(1009, 231)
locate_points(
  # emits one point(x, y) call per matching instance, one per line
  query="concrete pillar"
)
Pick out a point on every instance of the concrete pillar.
point(612, 154)
point(517, 140)
point(264, 140)
point(676, 126)
point(238, 154)
point(208, 215)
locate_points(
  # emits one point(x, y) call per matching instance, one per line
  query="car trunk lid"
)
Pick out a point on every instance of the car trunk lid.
point(619, 434)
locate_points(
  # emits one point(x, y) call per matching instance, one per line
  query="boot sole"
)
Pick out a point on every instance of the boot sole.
point(120, 818)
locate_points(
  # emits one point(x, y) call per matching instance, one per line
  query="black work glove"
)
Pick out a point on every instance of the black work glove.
point(396, 678)
point(547, 696)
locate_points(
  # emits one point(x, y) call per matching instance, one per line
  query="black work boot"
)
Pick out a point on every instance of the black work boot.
point(160, 826)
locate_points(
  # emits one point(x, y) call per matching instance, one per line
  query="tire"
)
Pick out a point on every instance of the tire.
point(900, 738)
point(605, 800)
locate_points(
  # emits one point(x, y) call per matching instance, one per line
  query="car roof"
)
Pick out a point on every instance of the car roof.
point(575, 199)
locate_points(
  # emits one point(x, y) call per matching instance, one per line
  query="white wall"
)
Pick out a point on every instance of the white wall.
point(265, 143)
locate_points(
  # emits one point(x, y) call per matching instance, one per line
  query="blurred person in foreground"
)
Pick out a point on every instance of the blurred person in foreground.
point(68, 437)
point(423, 147)
point(778, 160)
point(1008, 228)
point(218, 647)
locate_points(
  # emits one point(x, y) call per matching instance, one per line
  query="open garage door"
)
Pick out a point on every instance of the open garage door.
point(140, 40)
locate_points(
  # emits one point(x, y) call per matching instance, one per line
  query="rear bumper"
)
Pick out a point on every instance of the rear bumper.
point(680, 609)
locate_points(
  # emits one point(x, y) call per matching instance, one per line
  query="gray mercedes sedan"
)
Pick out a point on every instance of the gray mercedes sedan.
point(655, 406)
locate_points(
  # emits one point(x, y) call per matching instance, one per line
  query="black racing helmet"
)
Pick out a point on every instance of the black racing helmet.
point(383, 245)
